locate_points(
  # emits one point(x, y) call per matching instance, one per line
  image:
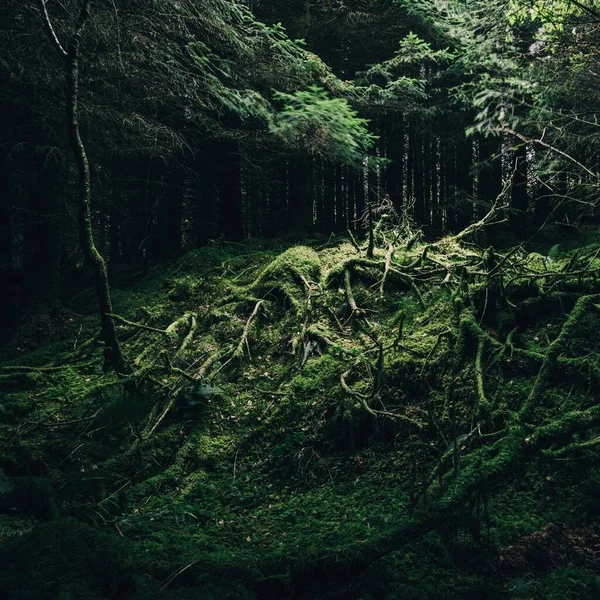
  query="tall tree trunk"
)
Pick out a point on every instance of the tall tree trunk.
point(113, 353)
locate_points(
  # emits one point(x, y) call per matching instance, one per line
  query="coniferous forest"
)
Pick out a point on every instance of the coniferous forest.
point(299, 299)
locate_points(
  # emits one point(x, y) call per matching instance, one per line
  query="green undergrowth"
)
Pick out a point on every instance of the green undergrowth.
point(297, 410)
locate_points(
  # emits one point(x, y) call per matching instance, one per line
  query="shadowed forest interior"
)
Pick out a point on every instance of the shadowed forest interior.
point(299, 299)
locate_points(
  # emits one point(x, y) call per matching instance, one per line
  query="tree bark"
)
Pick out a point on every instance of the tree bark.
point(113, 353)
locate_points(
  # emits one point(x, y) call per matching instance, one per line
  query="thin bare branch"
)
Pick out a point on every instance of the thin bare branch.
point(51, 32)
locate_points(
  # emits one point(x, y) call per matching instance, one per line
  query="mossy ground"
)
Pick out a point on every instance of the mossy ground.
point(290, 402)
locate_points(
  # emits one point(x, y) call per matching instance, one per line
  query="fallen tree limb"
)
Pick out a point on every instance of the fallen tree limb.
point(239, 351)
point(556, 347)
point(350, 294)
point(190, 335)
point(138, 325)
point(386, 270)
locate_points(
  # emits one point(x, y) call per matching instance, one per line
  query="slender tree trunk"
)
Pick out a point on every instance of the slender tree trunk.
point(113, 353)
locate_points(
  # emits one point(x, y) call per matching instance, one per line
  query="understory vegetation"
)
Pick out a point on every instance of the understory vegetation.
point(305, 421)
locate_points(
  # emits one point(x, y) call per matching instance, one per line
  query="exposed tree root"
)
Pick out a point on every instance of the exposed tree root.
point(174, 328)
point(239, 350)
point(386, 270)
point(556, 347)
point(354, 310)
point(483, 404)
point(123, 321)
point(190, 335)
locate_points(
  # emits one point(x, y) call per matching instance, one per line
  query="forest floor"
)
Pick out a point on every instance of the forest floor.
point(306, 421)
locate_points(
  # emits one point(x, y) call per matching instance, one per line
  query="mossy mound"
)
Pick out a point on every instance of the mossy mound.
point(307, 422)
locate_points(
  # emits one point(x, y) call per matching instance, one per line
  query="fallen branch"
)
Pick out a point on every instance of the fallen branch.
point(349, 294)
point(138, 325)
point(239, 351)
point(190, 335)
point(386, 270)
point(556, 347)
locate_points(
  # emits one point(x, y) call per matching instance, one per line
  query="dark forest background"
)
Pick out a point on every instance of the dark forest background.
point(197, 132)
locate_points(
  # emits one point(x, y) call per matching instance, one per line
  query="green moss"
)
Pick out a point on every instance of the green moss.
point(243, 487)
